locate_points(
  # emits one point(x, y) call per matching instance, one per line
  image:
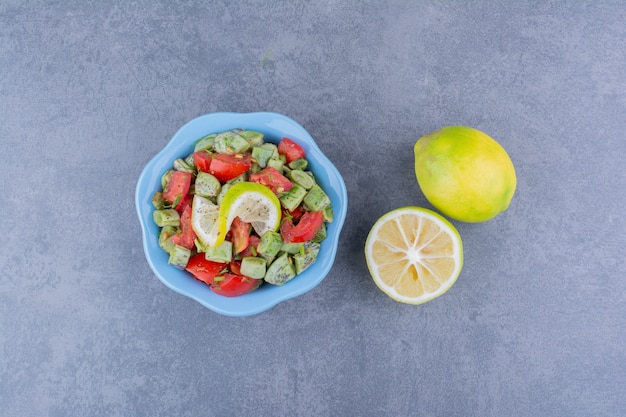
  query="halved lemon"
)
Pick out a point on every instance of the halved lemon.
point(251, 202)
point(204, 215)
point(413, 254)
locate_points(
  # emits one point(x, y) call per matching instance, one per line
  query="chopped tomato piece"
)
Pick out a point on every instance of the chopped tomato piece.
point(290, 149)
point(252, 247)
point(186, 236)
point(184, 203)
point(202, 269)
point(306, 229)
point(177, 186)
point(202, 161)
point(235, 267)
point(294, 214)
point(233, 285)
point(273, 179)
point(226, 167)
point(240, 234)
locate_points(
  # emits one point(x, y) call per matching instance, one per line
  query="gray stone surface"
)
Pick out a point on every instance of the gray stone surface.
point(535, 325)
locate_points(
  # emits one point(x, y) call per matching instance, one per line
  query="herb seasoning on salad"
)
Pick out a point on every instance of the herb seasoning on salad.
point(239, 212)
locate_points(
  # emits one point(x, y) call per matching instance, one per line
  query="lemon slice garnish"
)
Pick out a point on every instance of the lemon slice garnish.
point(413, 254)
point(251, 202)
point(204, 215)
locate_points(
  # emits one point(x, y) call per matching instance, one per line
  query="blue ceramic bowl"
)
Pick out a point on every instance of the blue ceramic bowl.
point(274, 127)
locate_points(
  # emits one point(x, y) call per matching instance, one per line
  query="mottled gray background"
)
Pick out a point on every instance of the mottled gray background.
point(535, 326)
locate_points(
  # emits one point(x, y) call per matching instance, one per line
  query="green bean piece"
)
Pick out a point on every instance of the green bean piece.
point(280, 271)
point(200, 245)
point(270, 244)
point(301, 178)
point(205, 143)
point(321, 234)
point(328, 214)
point(316, 199)
point(292, 247)
point(240, 178)
point(261, 155)
point(276, 163)
point(253, 267)
point(292, 198)
point(299, 164)
point(179, 256)
point(230, 142)
point(254, 168)
point(181, 165)
point(165, 178)
point(158, 202)
point(189, 161)
point(253, 138)
point(207, 185)
point(221, 253)
point(307, 258)
point(164, 238)
point(166, 217)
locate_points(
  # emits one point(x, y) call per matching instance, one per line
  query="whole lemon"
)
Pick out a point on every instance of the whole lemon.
point(464, 173)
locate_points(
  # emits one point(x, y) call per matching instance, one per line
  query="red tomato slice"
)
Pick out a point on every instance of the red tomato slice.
point(184, 203)
point(202, 160)
point(290, 149)
point(235, 267)
point(235, 285)
point(226, 167)
point(294, 214)
point(187, 235)
point(240, 234)
point(251, 249)
point(273, 179)
point(203, 269)
point(177, 186)
point(306, 229)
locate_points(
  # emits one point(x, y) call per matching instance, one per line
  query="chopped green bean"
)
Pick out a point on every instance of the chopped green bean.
point(165, 178)
point(316, 199)
point(253, 267)
point(261, 155)
point(166, 217)
point(221, 253)
point(205, 143)
point(281, 270)
point(276, 163)
point(158, 202)
point(292, 198)
point(328, 214)
point(231, 143)
point(292, 247)
point(299, 177)
point(179, 256)
point(189, 161)
point(164, 238)
point(253, 138)
point(305, 259)
point(299, 164)
point(181, 165)
point(207, 185)
point(270, 244)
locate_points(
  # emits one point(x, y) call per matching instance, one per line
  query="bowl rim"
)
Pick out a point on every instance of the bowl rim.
point(273, 126)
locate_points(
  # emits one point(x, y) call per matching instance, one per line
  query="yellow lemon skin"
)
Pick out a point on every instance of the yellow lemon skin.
point(464, 173)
